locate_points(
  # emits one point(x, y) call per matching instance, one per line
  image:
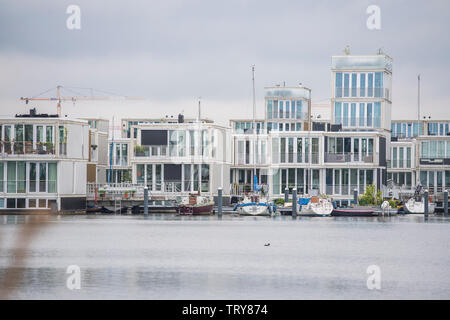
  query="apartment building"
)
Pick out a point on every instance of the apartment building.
point(43, 163)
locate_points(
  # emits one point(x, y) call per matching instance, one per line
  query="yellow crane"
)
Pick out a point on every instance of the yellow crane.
point(79, 97)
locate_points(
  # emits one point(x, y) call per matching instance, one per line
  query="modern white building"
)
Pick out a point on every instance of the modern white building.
point(43, 163)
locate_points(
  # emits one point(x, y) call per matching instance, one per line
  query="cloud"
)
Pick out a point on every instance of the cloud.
point(172, 52)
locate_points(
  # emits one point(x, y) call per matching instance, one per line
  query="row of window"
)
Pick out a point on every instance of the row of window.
point(276, 126)
point(401, 157)
point(31, 138)
point(27, 177)
point(438, 129)
point(192, 177)
point(286, 109)
point(359, 84)
point(405, 129)
point(24, 203)
point(435, 149)
point(358, 114)
point(119, 154)
point(435, 180)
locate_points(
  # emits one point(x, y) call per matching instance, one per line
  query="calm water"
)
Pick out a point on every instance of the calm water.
point(172, 257)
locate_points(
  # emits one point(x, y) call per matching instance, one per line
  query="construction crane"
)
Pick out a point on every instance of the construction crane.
point(78, 97)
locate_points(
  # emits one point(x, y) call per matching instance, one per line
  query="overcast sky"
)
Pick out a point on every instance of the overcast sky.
point(172, 52)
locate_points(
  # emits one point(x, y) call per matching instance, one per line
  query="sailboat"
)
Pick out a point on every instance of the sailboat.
point(254, 203)
point(416, 204)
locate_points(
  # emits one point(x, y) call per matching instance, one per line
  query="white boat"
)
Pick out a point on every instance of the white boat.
point(413, 206)
point(254, 206)
point(315, 206)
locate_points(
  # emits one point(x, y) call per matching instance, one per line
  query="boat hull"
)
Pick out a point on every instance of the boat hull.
point(254, 210)
point(416, 207)
point(196, 210)
point(349, 212)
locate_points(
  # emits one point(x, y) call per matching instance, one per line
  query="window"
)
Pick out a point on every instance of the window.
point(369, 114)
point(362, 84)
point(337, 113)
point(354, 85)
point(52, 177)
point(400, 158)
point(140, 173)
point(338, 84)
point(269, 109)
point(408, 157)
point(42, 177)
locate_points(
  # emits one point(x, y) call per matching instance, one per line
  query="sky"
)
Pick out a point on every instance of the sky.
point(170, 53)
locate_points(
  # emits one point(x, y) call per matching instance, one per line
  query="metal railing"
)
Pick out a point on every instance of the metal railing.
point(348, 157)
point(358, 122)
point(359, 92)
point(287, 116)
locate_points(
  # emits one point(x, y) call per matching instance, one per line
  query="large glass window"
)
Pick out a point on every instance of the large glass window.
point(269, 109)
point(140, 173)
point(42, 177)
point(11, 176)
point(299, 109)
point(362, 84)
point(337, 112)
point(338, 84)
point(354, 85)
point(32, 177)
point(369, 114)
point(21, 177)
point(52, 177)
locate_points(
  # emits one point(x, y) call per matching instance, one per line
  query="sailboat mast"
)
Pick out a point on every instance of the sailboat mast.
point(254, 126)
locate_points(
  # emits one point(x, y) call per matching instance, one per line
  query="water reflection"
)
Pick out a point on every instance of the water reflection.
point(167, 256)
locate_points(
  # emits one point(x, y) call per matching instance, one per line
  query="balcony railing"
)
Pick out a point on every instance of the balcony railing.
point(356, 122)
point(287, 116)
point(358, 92)
point(26, 148)
point(293, 157)
point(348, 157)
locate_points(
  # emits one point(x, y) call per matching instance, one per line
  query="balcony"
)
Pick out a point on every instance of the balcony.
point(357, 92)
point(345, 157)
point(287, 116)
point(356, 122)
point(435, 161)
point(26, 148)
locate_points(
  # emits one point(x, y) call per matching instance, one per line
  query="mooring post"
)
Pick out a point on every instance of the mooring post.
point(425, 201)
point(355, 196)
point(286, 195)
point(294, 202)
point(219, 202)
point(445, 203)
point(145, 200)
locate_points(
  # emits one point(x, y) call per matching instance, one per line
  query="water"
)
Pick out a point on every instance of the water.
point(173, 257)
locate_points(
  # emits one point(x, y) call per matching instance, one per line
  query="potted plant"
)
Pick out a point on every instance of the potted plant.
point(49, 147)
point(139, 150)
point(102, 193)
point(94, 147)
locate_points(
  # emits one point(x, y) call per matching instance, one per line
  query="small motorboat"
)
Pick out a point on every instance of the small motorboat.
point(196, 204)
point(358, 211)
